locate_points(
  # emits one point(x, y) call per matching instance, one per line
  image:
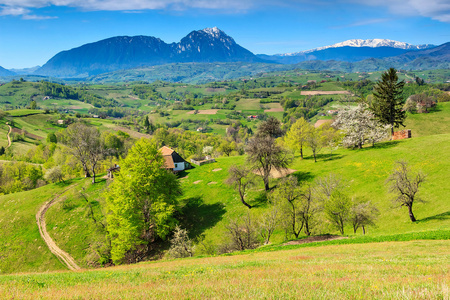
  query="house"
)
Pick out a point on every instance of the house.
point(173, 161)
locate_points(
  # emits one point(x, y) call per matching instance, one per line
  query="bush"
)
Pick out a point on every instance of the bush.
point(180, 244)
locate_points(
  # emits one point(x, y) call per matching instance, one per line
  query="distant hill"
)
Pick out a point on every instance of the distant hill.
point(190, 72)
point(124, 52)
point(4, 72)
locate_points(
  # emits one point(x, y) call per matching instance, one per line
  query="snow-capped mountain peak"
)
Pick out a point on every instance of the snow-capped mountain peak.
point(212, 31)
point(373, 43)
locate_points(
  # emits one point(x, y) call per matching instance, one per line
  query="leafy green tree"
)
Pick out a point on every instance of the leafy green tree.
point(296, 136)
point(142, 201)
point(315, 140)
point(33, 105)
point(51, 138)
point(387, 105)
point(337, 209)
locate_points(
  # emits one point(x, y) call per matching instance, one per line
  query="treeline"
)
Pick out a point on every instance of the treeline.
point(66, 92)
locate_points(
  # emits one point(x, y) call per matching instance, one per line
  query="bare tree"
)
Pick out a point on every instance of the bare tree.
point(287, 197)
point(268, 223)
point(270, 127)
point(241, 178)
point(363, 214)
point(242, 233)
point(264, 154)
point(85, 144)
point(77, 137)
point(328, 184)
point(309, 207)
point(405, 185)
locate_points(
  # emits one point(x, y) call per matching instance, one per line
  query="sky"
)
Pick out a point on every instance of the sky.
point(33, 31)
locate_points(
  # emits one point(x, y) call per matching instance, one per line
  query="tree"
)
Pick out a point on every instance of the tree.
point(264, 155)
point(54, 174)
point(405, 184)
point(359, 126)
point(331, 137)
point(51, 138)
point(33, 105)
point(270, 127)
point(95, 150)
point(242, 233)
point(315, 141)
point(287, 197)
point(241, 178)
point(308, 208)
point(268, 223)
point(297, 134)
point(142, 201)
point(363, 214)
point(80, 138)
point(387, 105)
point(337, 209)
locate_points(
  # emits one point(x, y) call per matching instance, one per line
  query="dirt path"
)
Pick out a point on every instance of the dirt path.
point(40, 219)
point(9, 138)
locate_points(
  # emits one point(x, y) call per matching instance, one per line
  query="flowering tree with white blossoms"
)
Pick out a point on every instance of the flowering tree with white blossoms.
point(360, 126)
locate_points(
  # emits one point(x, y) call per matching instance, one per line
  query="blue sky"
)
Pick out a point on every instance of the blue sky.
point(32, 31)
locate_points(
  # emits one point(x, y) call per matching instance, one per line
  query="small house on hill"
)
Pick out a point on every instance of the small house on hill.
point(173, 161)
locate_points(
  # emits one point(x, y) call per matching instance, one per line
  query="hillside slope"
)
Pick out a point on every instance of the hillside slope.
point(208, 203)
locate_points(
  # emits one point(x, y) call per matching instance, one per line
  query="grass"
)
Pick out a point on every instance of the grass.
point(24, 112)
point(21, 246)
point(73, 228)
point(430, 123)
point(395, 270)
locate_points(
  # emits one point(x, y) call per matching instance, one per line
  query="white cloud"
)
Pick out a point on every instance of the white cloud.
point(434, 9)
point(13, 11)
point(133, 5)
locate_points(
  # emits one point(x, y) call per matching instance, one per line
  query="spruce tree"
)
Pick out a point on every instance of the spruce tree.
point(388, 100)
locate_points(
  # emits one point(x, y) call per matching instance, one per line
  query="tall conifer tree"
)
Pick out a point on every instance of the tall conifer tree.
point(388, 100)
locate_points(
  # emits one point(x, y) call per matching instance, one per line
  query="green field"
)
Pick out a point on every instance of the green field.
point(396, 270)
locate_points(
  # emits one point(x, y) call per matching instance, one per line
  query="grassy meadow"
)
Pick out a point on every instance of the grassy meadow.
point(400, 270)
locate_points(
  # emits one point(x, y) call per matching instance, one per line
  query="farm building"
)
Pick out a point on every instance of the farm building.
point(173, 161)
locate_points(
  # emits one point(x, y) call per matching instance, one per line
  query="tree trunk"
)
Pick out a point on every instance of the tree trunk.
point(411, 215)
point(245, 203)
point(301, 152)
point(266, 182)
point(364, 229)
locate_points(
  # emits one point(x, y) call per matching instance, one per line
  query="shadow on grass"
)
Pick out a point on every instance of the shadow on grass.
point(196, 216)
point(441, 217)
point(327, 157)
point(259, 200)
point(384, 145)
point(65, 183)
point(303, 176)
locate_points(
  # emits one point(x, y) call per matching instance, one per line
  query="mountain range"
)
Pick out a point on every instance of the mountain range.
point(5, 72)
point(212, 45)
point(124, 52)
